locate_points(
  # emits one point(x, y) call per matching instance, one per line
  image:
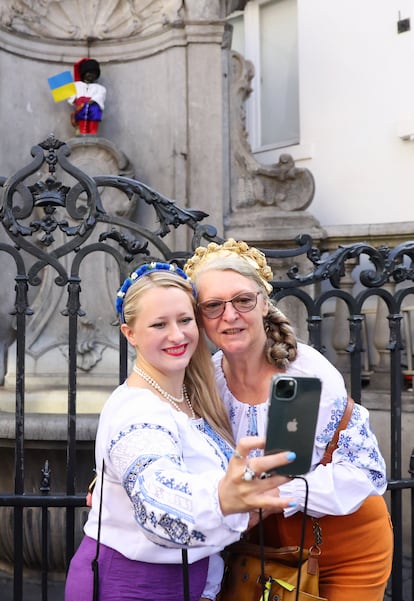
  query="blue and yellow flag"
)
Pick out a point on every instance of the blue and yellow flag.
point(62, 86)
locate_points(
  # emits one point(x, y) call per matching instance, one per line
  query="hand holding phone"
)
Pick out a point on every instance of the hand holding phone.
point(292, 418)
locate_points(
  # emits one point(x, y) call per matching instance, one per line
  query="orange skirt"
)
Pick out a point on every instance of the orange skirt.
point(356, 550)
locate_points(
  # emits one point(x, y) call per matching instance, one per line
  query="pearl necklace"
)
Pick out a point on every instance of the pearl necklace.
point(170, 398)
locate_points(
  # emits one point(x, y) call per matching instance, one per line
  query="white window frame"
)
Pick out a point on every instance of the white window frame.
point(252, 53)
point(265, 153)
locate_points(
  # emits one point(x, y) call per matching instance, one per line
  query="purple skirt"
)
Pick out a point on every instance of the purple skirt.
point(123, 579)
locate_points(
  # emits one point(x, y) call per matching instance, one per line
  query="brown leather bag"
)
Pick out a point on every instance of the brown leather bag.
point(243, 574)
point(242, 580)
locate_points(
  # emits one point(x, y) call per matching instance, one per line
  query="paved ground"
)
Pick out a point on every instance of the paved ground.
point(32, 590)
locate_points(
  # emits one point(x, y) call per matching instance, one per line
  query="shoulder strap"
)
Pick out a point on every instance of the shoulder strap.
point(331, 446)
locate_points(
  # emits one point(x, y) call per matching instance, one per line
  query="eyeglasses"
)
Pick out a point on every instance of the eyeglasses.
point(243, 303)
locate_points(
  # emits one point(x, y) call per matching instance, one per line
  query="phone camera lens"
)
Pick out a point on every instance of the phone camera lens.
point(286, 388)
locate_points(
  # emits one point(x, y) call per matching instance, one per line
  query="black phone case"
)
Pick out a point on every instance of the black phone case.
point(292, 422)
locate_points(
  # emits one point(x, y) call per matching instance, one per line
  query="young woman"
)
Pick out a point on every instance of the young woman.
point(255, 342)
point(167, 480)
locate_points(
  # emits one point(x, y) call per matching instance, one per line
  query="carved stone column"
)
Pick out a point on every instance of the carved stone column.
point(340, 338)
point(381, 377)
point(267, 202)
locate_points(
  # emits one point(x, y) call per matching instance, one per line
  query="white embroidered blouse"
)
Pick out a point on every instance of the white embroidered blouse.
point(357, 469)
point(160, 486)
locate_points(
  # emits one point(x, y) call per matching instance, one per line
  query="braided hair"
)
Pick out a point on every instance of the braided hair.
point(248, 261)
point(281, 346)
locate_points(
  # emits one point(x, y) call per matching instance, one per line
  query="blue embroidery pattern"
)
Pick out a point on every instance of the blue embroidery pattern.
point(252, 417)
point(326, 435)
point(135, 427)
point(176, 530)
point(232, 415)
point(171, 483)
point(223, 445)
point(355, 446)
point(162, 506)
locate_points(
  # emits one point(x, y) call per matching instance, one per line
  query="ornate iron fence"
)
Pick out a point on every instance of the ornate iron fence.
point(52, 229)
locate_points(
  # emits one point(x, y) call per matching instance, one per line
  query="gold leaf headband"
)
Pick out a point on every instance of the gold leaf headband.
point(254, 257)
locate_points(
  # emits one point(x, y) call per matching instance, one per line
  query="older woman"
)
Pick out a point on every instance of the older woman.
point(255, 342)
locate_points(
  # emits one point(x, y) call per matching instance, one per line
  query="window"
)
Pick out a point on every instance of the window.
point(266, 33)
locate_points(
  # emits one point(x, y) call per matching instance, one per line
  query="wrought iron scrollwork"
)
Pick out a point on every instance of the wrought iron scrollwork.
point(386, 264)
point(33, 213)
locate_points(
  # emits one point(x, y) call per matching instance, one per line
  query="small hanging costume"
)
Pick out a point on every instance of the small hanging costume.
point(90, 97)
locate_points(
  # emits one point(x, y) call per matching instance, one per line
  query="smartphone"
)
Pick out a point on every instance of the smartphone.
point(292, 418)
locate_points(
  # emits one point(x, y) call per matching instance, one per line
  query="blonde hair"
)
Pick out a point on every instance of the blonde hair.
point(281, 346)
point(231, 249)
point(199, 374)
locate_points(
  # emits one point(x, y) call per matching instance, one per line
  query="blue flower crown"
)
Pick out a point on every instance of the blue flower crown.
point(143, 270)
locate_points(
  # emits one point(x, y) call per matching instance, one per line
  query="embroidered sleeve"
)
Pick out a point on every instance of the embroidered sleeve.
point(357, 469)
point(357, 444)
point(173, 506)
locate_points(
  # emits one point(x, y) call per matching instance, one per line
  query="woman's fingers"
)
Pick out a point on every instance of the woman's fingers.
point(238, 496)
point(259, 465)
point(249, 443)
point(242, 489)
point(262, 465)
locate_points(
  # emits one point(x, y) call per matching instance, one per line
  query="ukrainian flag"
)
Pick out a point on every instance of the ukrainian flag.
point(62, 86)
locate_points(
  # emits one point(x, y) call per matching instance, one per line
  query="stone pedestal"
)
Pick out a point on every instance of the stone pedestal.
point(45, 441)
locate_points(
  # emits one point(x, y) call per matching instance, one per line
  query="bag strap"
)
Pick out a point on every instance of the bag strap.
point(186, 576)
point(315, 549)
point(332, 445)
point(95, 562)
